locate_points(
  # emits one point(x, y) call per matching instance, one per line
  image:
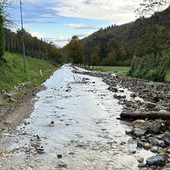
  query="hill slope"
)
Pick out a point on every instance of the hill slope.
point(12, 70)
point(129, 35)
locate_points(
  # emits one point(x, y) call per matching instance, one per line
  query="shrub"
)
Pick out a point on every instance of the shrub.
point(150, 68)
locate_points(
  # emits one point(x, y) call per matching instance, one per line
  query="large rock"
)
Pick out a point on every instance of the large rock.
point(150, 105)
point(153, 126)
point(138, 123)
point(139, 132)
point(156, 161)
point(156, 142)
point(166, 139)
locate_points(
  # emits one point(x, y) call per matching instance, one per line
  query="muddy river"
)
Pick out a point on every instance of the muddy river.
point(74, 126)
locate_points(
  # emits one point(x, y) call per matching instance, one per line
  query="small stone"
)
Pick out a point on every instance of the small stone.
point(159, 137)
point(62, 165)
point(139, 132)
point(59, 156)
point(128, 132)
point(122, 143)
point(168, 151)
point(154, 149)
point(12, 99)
point(146, 146)
point(140, 160)
point(139, 144)
point(38, 138)
point(128, 103)
point(51, 124)
point(133, 95)
point(27, 149)
point(143, 139)
point(162, 154)
point(141, 165)
point(149, 135)
point(133, 151)
point(122, 91)
point(25, 123)
point(156, 142)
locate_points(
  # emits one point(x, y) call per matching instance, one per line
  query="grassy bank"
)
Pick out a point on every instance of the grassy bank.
point(12, 71)
point(155, 69)
point(111, 69)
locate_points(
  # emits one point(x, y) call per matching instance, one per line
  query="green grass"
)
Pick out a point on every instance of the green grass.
point(110, 69)
point(12, 71)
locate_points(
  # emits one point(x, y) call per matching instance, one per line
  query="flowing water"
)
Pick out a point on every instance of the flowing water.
point(86, 133)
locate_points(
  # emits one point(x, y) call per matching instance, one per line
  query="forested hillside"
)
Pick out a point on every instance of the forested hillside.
point(134, 38)
point(33, 46)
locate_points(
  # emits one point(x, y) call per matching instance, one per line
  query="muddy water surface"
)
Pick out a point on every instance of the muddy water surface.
point(86, 133)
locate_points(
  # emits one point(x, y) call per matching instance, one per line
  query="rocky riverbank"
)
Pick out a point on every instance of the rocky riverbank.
point(151, 135)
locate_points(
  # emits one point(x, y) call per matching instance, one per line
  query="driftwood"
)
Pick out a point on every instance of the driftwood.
point(145, 115)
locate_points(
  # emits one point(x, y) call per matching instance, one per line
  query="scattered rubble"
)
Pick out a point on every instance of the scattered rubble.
point(152, 134)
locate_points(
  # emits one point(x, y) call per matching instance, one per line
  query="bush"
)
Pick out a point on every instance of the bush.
point(150, 68)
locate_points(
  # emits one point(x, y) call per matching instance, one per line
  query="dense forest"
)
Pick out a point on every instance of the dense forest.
point(138, 38)
point(33, 46)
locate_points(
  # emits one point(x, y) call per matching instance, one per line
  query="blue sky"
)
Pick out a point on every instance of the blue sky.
point(59, 20)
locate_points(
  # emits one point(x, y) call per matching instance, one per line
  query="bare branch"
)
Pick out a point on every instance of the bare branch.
point(150, 7)
point(4, 5)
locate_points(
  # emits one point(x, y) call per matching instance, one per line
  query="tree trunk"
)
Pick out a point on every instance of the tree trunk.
point(144, 115)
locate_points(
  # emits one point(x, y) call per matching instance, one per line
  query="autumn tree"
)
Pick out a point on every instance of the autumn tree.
point(153, 40)
point(94, 58)
point(113, 44)
point(113, 47)
point(75, 50)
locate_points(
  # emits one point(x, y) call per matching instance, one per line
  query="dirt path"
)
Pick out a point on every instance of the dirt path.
point(14, 114)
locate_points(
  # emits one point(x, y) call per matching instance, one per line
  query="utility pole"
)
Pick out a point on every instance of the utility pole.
point(23, 44)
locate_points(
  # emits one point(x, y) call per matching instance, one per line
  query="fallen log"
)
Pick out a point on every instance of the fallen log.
point(145, 115)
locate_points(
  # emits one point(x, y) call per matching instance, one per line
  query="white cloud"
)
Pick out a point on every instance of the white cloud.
point(59, 40)
point(36, 34)
point(98, 9)
point(82, 26)
point(75, 25)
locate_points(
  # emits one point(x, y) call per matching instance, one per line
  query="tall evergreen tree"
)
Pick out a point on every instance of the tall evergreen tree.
point(1, 35)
